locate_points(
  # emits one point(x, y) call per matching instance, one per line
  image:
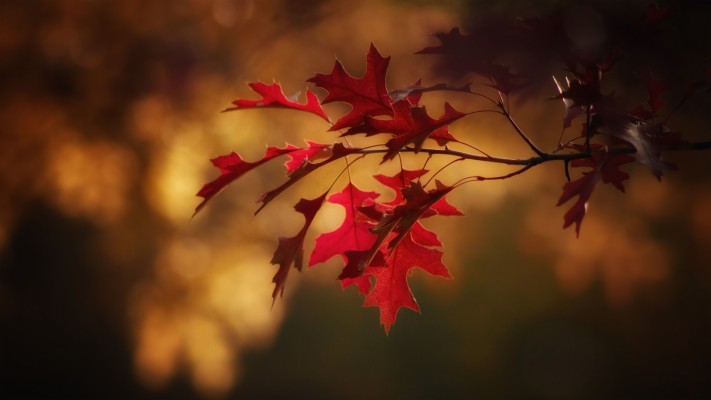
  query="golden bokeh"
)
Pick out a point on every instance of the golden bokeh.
point(116, 121)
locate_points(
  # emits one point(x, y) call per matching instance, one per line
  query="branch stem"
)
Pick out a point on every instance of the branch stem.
point(535, 160)
point(518, 130)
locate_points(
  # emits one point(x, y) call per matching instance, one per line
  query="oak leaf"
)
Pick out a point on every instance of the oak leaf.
point(367, 95)
point(232, 166)
point(290, 250)
point(273, 97)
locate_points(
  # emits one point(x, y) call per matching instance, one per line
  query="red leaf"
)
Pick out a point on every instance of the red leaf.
point(418, 204)
point(367, 95)
point(397, 182)
point(391, 291)
point(273, 97)
point(291, 250)
point(416, 126)
point(606, 164)
point(403, 179)
point(610, 170)
point(442, 136)
point(583, 188)
point(606, 167)
point(313, 152)
point(399, 221)
point(402, 243)
point(338, 151)
point(232, 166)
point(354, 232)
point(409, 124)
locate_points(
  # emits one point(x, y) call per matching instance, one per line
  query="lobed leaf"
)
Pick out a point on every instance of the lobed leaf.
point(290, 251)
point(367, 95)
point(232, 166)
point(273, 97)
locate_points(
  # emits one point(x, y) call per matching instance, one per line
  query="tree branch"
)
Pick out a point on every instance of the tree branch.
point(543, 157)
point(518, 130)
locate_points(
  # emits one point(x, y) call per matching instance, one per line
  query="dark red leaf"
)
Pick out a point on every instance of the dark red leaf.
point(354, 232)
point(390, 291)
point(606, 164)
point(232, 166)
point(409, 125)
point(606, 167)
point(416, 126)
point(312, 152)
point(583, 188)
point(397, 182)
point(367, 95)
point(273, 97)
point(338, 151)
point(291, 250)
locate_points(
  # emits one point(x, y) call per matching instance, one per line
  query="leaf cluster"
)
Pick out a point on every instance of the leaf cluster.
point(381, 242)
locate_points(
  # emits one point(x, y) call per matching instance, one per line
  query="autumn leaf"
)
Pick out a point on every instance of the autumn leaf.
point(290, 250)
point(338, 151)
point(232, 166)
point(367, 95)
point(608, 165)
point(354, 232)
point(273, 97)
point(418, 204)
point(605, 166)
point(398, 181)
point(402, 180)
point(381, 241)
point(461, 54)
point(394, 224)
point(311, 153)
point(583, 188)
point(391, 291)
point(409, 125)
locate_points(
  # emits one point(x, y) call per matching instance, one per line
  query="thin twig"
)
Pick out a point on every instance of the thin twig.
point(492, 178)
point(519, 131)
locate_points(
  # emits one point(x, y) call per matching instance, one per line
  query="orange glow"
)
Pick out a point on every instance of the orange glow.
point(208, 305)
point(92, 179)
point(117, 114)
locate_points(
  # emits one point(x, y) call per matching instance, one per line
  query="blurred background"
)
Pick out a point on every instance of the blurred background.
point(109, 114)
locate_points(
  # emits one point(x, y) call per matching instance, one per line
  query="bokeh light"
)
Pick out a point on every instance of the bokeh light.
point(109, 114)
